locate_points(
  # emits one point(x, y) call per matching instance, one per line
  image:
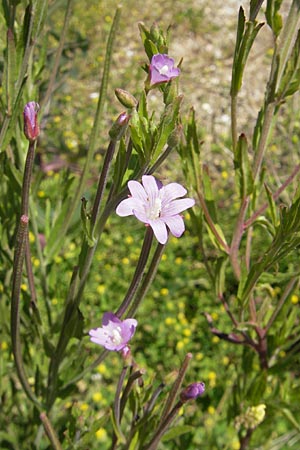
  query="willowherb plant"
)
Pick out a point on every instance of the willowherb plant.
point(249, 254)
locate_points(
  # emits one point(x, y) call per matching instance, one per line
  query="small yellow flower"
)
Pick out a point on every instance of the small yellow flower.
point(164, 292)
point(56, 119)
point(180, 345)
point(199, 356)
point(125, 261)
point(102, 369)
point(31, 381)
point(212, 375)
point(129, 240)
point(24, 287)
point(97, 397)
point(41, 194)
point(224, 175)
point(169, 320)
point(164, 257)
point(214, 315)
point(58, 259)
point(181, 305)
point(235, 445)
point(36, 262)
point(178, 260)
point(3, 346)
point(294, 299)
point(31, 237)
point(211, 410)
point(225, 360)
point(84, 407)
point(187, 332)
point(101, 289)
point(101, 434)
point(54, 301)
point(215, 339)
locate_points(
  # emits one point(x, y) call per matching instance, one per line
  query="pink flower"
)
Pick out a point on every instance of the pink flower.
point(115, 333)
point(156, 205)
point(31, 126)
point(162, 69)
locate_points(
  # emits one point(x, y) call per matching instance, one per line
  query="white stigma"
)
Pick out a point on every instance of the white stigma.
point(116, 336)
point(164, 70)
point(155, 210)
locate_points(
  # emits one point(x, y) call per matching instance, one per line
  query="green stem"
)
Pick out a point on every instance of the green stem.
point(289, 288)
point(175, 388)
point(50, 432)
point(139, 271)
point(163, 428)
point(211, 223)
point(234, 134)
point(15, 307)
point(263, 140)
point(237, 237)
point(148, 279)
point(287, 37)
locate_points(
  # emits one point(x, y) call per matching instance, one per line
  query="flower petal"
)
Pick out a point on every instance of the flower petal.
point(129, 205)
point(176, 207)
point(160, 230)
point(176, 225)
point(172, 191)
point(151, 187)
point(109, 317)
point(137, 190)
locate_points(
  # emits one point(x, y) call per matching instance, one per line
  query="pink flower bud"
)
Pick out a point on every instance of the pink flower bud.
point(192, 391)
point(31, 126)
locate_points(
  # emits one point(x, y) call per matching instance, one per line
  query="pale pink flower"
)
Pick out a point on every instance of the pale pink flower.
point(162, 69)
point(114, 333)
point(157, 205)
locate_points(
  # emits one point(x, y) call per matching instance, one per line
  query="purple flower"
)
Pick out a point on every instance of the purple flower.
point(31, 126)
point(115, 333)
point(162, 69)
point(192, 391)
point(156, 205)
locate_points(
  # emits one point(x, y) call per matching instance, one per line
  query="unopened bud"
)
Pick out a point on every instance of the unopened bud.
point(125, 98)
point(31, 126)
point(174, 138)
point(119, 127)
point(192, 392)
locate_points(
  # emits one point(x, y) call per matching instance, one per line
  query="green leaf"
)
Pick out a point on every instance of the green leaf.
point(117, 429)
point(257, 388)
point(272, 206)
point(290, 80)
point(274, 19)
point(167, 124)
point(178, 431)
point(243, 168)
point(86, 223)
point(288, 414)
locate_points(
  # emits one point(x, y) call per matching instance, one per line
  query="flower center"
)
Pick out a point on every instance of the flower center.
point(116, 336)
point(164, 70)
point(155, 209)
